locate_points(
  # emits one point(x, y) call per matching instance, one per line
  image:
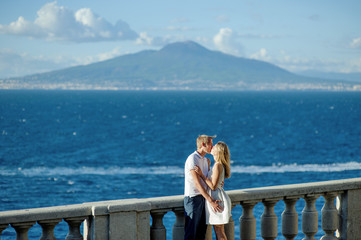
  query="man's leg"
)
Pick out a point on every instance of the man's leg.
point(195, 220)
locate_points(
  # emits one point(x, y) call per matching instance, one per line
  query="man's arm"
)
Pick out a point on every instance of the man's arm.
point(197, 183)
point(216, 174)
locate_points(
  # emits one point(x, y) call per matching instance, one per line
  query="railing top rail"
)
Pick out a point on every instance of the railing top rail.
point(174, 202)
point(294, 190)
point(46, 213)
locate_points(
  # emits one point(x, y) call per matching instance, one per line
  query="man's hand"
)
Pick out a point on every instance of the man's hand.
point(216, 207)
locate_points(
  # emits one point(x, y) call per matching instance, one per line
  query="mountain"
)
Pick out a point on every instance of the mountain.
point(181, 65)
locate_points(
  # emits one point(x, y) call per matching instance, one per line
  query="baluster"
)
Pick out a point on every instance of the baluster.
point(178, 227)
point(48, 228)
point(74, 228)
point(247, 222)
point(329, 216)
point(290, 219)
point(158, 231)
point(22, 229)
point(3, 227)
point(269, 220)
point(229, 228)
point(310, 217)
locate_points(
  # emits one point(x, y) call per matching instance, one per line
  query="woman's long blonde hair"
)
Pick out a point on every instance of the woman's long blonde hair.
point(223, 157)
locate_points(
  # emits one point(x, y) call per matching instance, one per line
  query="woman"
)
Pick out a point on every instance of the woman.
point(221, 169)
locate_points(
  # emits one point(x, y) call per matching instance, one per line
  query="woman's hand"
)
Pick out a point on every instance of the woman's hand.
point(199, 171)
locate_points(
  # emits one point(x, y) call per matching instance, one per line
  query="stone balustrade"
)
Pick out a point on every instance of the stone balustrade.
point(143, 218)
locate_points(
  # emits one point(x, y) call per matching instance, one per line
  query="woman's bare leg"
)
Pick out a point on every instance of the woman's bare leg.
point(219, 230)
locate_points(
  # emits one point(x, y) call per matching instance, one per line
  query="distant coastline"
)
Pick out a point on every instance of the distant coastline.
point(10, 85)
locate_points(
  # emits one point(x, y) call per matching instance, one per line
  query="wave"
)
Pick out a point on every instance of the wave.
point(165, 170)
point(284, 168)
point(66, 171)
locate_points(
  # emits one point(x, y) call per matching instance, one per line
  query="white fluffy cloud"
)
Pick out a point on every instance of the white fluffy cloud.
point(262, 55)
point(356, 43)
point(55, 22)
point(227, 41)
point(145, 39)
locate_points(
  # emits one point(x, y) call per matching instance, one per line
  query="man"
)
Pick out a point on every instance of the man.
point(195, 191)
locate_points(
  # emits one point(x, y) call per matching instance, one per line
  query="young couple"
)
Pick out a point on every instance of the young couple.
point(205, 201)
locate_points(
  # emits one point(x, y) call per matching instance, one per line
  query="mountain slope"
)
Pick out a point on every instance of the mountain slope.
point(182, 65)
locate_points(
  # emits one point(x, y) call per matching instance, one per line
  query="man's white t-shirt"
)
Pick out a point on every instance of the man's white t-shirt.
point(194, 159)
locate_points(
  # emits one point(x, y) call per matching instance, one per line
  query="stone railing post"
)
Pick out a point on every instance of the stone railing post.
point(269, 220)
point(178, 227)
point(329, 216)
point(22, 229)
point(74, 228)
point(247, 222)
point(96, 226)
point(48, 228)
point(158, 230)
point(350, 215)
point(310, 217)
point(290, 218)
point(229, 228)
point(129, 220)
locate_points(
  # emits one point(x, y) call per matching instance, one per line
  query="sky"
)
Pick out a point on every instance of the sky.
point(39, 36)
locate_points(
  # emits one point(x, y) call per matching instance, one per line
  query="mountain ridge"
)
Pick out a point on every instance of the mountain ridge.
point(180, 65)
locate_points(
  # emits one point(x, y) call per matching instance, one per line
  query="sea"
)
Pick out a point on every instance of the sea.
point(60, 147)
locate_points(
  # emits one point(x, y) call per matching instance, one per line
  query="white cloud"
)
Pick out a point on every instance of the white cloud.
point(55, 22)
point(23, 27)
point(356, 43)
point(262, 55)
point(145, 39)
point(226, 41)
point(86, 17)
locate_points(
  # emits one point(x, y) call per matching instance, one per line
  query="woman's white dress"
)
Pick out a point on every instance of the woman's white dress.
point(217, 218)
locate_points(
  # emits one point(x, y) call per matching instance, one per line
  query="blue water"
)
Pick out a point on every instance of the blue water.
point(68, 147)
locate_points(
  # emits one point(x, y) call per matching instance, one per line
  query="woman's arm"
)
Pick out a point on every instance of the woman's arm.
point(214, 203)
point(216, 174)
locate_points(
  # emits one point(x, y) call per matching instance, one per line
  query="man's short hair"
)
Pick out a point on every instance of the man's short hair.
point(204, 139)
